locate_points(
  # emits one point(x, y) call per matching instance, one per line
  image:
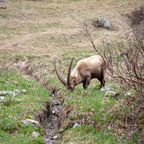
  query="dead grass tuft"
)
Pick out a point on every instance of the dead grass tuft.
point(43, 117)
point(65, 112)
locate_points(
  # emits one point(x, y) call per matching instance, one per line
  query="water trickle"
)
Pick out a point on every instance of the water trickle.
point(52, 123)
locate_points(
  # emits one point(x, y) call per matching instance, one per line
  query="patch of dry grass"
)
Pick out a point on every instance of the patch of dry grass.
point(38, 27)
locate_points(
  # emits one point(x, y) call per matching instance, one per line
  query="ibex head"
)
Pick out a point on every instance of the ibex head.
point(70, 83)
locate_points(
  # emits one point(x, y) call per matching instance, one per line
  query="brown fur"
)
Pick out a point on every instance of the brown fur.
point(87, 69)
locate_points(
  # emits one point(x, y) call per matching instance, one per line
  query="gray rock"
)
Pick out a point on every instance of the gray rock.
point(61, 130)
point(3, 0)
point(102, 22)
point(55, 102)
point(24, 90)
point(75, 125)
point(17, 91)
point(17, 99)
point(112, 93)
point(2, 98)
point(3, 7)
point(31, 122)
point(127, 93)
point(55, 137)
point(109, 128)
point(35, 134)
point(4, 93)
point(105, 88)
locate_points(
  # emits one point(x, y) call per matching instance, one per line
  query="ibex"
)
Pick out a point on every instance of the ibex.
point(85, 70)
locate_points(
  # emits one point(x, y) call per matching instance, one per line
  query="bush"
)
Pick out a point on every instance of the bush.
point(126, 67)
point(126, 62)
point(137, 16)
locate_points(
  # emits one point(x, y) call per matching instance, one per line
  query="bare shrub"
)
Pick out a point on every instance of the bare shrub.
point(137, 16)
point(127, 63)
point(126, 67)
point(126, 59)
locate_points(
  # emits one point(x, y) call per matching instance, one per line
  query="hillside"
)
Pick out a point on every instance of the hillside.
point(32, 33)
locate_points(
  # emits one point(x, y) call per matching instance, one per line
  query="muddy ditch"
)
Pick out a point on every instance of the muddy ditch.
point(48, 119)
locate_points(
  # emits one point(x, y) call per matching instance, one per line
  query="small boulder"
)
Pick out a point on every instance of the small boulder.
point(55, 137)
point(112, 93)
point(3, 7)
point(102, 22)
point(31, 122)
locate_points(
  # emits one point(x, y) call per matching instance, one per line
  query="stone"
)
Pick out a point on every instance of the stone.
point(109, 128)
point(55, 102)
point(127, 94)
point(102, 22)
point(55, 137)
point(3, 0)
point(17, 99)
point(2, 98)
point(17, 91)
point(31, 122)
point(3, 7)
point(112, 93)
point(61, 130)
point(24, 90)
point(35, 134)
point(75, 125)
point(105, 88)
point(4, 93)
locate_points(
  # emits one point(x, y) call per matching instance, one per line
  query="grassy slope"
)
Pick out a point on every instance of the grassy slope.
point(36, 29)
point(26, 104)
point(92, 111)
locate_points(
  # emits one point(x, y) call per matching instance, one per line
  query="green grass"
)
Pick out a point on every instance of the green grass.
point(86, 134)
point(13, 111)
point(18, 138)
point(93, 104)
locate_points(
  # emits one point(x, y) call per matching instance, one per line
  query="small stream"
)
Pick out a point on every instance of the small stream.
point(52, 123)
